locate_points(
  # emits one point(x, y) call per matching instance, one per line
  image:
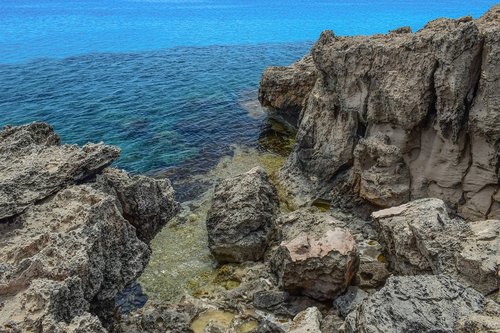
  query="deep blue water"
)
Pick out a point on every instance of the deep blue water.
point(167, 80)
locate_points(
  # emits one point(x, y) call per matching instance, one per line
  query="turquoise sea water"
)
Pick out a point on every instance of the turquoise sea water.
point(169, 81)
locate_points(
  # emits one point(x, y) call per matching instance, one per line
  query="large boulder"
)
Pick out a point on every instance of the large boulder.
point(69, 249)
point(421, 238)
point(316, 256)
point(416, 304)
point(433, 95)
point(240, 222)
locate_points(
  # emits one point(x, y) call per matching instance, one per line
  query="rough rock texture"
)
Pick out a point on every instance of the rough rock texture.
point(415, 304)
point(158, 318)
point(240, 222)
point(433, 97)
point(486, 322)
point(284, 89)
point(145, 202)
point(347, 302)
point(282, 303)
point(34, 165)
point(421, 238)
point(308, 321)
point(384, 178)
point(316, 257)
point(70, 248)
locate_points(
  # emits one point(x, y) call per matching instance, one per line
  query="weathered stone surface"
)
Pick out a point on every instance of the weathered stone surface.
point(147, 203)
point(308, 321)
point(285, 89)
point(34, 165)
point(488, 321)
point(383, 177)
point(282, 303)
point(415, 304)
point(240, 222)
point(347, 302)
point(434, 95)
point(421, 238)
point(66, 254)
point(157, 318)
point(316, 257)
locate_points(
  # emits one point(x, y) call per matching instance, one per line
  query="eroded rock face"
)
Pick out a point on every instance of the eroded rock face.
point(284, 89)
point(34, 165)
point(415, 304)
point(316, 257)
point(240, 222)
point(421, 238)
point(432, 95)
point(70, 248)
point(384, 178)
point(147, 203)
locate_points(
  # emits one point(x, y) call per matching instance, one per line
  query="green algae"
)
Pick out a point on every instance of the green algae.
point(248, 326)
point(322, 205)
point(181, 262)
point(222, 318)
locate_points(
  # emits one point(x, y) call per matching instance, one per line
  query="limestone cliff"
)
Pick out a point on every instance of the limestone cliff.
point(397, 117)
point(72, 233)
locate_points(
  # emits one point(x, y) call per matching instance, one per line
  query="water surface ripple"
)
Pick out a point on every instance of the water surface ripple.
point(161, 108)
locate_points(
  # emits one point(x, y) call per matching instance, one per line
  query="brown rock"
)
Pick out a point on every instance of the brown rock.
point(315, 258)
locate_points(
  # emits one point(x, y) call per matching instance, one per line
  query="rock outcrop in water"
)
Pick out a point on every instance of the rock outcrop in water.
point(397, 117)
point(73, 234)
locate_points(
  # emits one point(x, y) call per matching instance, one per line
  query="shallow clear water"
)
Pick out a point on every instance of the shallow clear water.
point(162, 108)
point(148, 76)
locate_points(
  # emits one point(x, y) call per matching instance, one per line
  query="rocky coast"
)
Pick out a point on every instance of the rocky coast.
point(384, 217)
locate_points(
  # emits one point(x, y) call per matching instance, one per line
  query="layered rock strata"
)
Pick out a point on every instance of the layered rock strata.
point(409, 115)
point(73, 235)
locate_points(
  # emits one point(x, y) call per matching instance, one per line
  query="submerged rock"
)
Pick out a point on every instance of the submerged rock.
point(316, 257)
point(70, 248)
point(421, 238)
point(240, 222)
point(433, 95)
point(416, 304)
